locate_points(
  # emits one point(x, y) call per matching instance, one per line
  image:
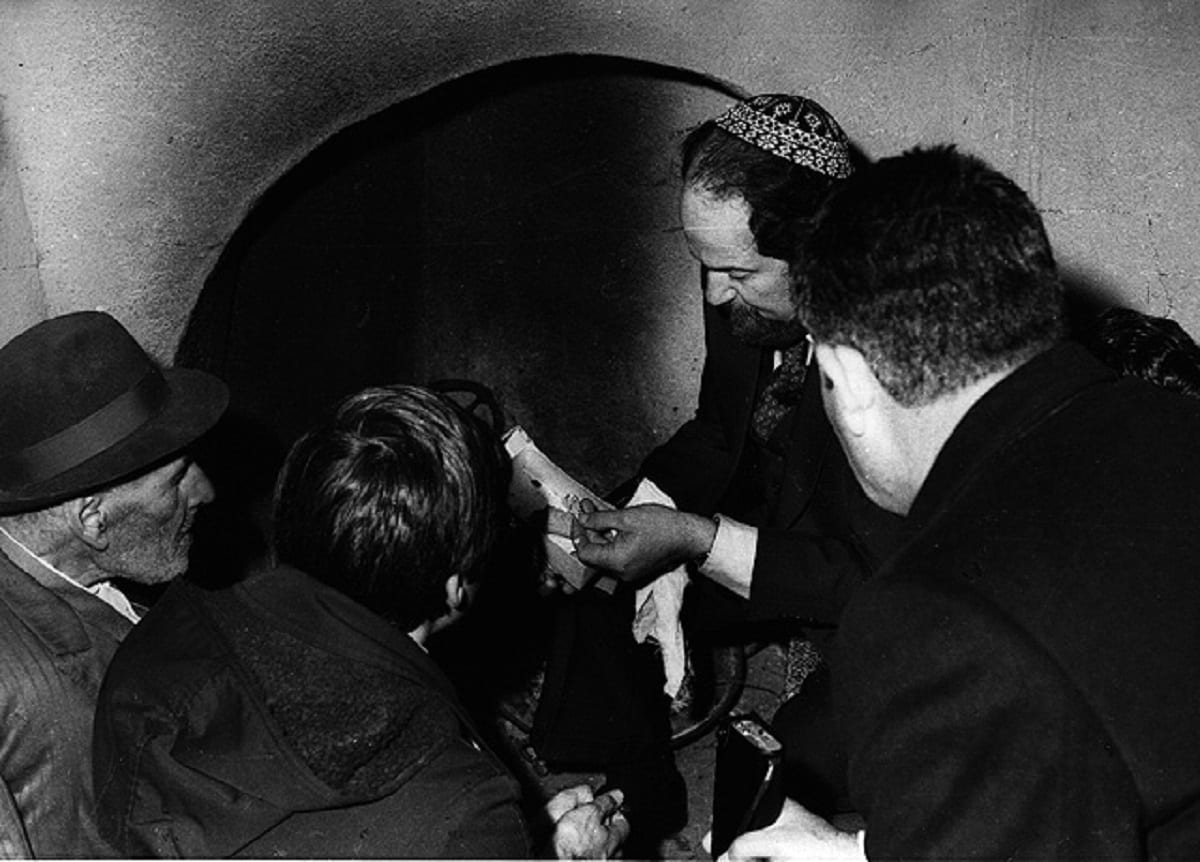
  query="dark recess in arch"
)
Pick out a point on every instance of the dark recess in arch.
point(291, 342)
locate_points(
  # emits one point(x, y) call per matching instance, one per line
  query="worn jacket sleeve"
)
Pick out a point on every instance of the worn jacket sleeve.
point(468, 809)
point(967, 741)
point(805, 575)
point(834, 541)
point(699, 443)
point(155, 795)
point(696, 464)
point(482, 813)
point(13, 842)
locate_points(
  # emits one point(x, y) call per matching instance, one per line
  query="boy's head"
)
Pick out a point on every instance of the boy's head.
point(396, 492)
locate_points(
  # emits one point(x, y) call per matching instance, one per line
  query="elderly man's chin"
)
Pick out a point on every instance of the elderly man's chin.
point(162, 564)
point(750, 327)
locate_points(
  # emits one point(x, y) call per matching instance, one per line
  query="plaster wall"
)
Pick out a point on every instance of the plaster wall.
point(139, 133)
point(136, 137)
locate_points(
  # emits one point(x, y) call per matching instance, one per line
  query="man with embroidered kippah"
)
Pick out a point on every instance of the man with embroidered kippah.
point(96, 486)
point(768, 515)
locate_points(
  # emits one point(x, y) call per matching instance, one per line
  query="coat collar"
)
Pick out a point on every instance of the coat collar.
point(59, 614)
point(1005, 414)
point(314, 612)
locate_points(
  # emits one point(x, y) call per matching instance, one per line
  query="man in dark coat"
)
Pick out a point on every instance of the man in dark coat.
point(769, 518)
point(759, 448)
point(297, 714)
point(95, 486)
point(1019, 682)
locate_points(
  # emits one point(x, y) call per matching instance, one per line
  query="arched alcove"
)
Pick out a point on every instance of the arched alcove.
point(517, 227)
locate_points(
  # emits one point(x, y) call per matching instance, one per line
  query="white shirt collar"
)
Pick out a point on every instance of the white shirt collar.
point(106, 592)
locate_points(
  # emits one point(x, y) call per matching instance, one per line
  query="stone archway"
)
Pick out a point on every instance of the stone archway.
point(515, 227)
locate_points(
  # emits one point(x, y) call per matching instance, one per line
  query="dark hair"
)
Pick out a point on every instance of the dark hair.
point(1141, 345)
point(936, 268)
point(399, 489)
point(781, 195)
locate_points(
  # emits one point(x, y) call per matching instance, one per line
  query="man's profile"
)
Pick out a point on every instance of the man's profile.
point(97, 490)
point(1019, 681)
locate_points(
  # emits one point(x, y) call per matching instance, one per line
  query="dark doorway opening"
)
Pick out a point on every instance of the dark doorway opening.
point(515, 227)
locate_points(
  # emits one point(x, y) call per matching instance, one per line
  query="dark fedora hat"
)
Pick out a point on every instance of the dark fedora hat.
point(82, 407)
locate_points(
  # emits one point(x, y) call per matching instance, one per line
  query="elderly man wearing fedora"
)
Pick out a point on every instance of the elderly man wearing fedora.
point(95, 486)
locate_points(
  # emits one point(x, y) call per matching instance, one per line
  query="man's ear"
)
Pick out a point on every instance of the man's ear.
point(88, 521)
point(457, 594)
point(851, 388)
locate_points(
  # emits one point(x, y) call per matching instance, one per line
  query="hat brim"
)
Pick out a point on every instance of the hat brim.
point(195, 401)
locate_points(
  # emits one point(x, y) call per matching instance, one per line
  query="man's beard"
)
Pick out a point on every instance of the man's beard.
point(750, 327)
point(146, 551)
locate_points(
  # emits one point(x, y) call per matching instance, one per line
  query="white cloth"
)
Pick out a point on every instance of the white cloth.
point(658, 605)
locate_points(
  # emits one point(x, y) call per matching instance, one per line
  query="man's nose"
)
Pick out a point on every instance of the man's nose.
point(199, 489)
point(717, 288)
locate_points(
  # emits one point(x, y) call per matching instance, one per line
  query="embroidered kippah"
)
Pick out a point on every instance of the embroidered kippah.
point(793, 128)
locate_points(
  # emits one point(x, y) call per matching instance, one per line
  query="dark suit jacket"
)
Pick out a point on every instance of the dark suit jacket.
point(818, 539)
point(1022, 681)
point(55, 642)
point(819, 536)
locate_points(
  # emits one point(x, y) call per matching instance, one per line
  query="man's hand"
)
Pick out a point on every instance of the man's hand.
point(797, 834)
point(587, 826)
point(640, 541)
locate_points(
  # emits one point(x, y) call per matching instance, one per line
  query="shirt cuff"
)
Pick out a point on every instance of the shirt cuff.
point(730, 562)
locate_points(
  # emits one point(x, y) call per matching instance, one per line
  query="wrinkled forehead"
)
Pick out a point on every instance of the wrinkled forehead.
point(715, 227)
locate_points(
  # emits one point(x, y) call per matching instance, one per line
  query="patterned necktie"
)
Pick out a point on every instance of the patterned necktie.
point(782, 391)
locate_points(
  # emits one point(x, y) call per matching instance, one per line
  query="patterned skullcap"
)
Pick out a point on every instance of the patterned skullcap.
point(793, 128)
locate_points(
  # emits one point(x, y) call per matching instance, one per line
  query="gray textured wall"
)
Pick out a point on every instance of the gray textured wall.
point(135, 137)
point(140, 132)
